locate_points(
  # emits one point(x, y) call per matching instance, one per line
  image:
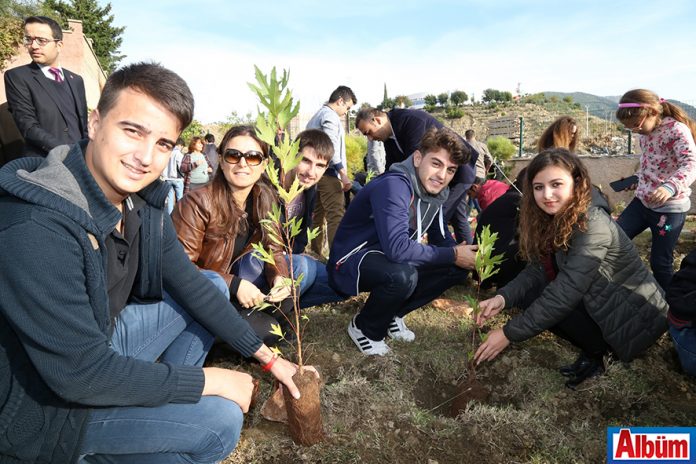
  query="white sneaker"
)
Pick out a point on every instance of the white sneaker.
point(399, 331)
point(364, 344)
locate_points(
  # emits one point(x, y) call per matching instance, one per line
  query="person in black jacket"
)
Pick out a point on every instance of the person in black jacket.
point(401, 130)
point(682, 313)
point(47, 101)
point(104, 321)
point(585, 279)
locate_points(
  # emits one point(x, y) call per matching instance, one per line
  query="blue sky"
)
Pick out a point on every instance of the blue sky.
point(599, 47)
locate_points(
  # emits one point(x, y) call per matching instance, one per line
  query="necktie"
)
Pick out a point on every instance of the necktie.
point(56, 73)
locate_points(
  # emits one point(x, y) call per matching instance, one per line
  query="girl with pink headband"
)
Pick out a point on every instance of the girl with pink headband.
point(667, 170)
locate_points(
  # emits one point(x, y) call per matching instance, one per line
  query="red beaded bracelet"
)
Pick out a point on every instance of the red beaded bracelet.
point(269, 365)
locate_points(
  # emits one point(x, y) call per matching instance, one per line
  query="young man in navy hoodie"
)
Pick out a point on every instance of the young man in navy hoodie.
point(104, 321)
point(378, 246)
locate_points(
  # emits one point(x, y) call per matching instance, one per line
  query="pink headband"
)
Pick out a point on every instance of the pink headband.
point(637, 105)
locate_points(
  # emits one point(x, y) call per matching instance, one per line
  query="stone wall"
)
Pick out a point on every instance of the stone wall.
point(605, 169)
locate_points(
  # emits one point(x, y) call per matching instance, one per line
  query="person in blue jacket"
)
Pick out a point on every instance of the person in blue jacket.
point(378, 246)
point(401, 130)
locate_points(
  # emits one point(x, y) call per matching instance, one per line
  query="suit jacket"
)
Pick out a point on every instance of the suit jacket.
point(36, 109)
point(409, 126)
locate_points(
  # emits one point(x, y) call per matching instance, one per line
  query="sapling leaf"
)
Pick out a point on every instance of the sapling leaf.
point(276, 330)
point(276, 351)
point(370, 175)
point(312, 233)
point(261, 306)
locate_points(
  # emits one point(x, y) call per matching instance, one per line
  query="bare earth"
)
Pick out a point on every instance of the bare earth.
point(396, 409)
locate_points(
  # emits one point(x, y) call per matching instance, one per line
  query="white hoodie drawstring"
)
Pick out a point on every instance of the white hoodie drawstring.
point(419, 221)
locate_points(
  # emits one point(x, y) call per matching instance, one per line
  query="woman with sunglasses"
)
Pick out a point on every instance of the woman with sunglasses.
point(667, 169)
point(218, 224)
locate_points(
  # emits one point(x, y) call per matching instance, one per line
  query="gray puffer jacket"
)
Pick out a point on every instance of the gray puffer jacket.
point(601, 269)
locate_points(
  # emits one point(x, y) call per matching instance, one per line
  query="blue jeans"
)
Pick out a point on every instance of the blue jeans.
point(665, 229)
point(685, 344)
point(317, 291)
point(314, 288)
point(176, 192)
point(203, 432)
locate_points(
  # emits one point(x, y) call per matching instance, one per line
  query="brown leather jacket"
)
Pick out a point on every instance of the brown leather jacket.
point(211, 247)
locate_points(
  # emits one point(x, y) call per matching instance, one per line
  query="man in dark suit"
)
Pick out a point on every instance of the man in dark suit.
point(401, 130)
point(47, 102)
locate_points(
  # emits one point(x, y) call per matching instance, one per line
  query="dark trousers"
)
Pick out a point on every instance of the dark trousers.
point(457, 214)
point(582, 331)
point(397, 289)
point(578, 328)
point(665, 229)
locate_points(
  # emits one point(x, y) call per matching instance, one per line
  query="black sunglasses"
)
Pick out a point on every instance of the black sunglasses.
point(252, 157)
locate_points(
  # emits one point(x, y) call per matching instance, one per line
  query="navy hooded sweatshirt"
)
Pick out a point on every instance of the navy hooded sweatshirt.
point(389, 216)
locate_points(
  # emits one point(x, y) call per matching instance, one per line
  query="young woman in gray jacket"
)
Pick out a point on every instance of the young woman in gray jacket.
point(585, 281)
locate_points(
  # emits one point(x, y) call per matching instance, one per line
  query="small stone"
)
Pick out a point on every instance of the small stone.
point(336, 357)
point(390, 424)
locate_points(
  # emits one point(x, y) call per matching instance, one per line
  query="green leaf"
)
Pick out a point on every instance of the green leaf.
point(276, 350)
point(312, 233)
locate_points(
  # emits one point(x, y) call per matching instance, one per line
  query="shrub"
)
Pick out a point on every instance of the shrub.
point(501, 148)
point(452, 112)
point(356, 147)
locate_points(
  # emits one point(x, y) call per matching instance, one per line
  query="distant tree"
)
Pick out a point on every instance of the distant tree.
point(234, 119)
point(386, 104)
point(97, 24)
point(385, 97)
point(12, 13)
point(505, 96)
point(568, 99)
point(443, 99)
point(490, 95)
point(458, 97)
point(192, 130)
point(430, 100)
point(402, 101)
point(553, 99)
point(536, 99)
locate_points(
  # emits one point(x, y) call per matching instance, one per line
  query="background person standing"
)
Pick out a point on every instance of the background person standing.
point(330, 205)
point(47, 102)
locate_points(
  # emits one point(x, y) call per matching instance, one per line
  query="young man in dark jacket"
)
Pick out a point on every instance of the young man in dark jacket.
point(378, 246)
point(401, 130)
point(104, 321)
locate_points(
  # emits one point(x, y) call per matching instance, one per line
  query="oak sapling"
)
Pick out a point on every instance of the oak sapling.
point(485, 266)
point(304, 415)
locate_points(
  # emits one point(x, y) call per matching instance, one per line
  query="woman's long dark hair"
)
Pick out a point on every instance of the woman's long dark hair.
point(540, 231)
point(225, 211)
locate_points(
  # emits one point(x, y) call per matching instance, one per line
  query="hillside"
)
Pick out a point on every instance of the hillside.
point(599, 135)
point(605, 107)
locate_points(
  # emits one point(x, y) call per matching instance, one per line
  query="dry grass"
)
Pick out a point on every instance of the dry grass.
point(395, 409)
